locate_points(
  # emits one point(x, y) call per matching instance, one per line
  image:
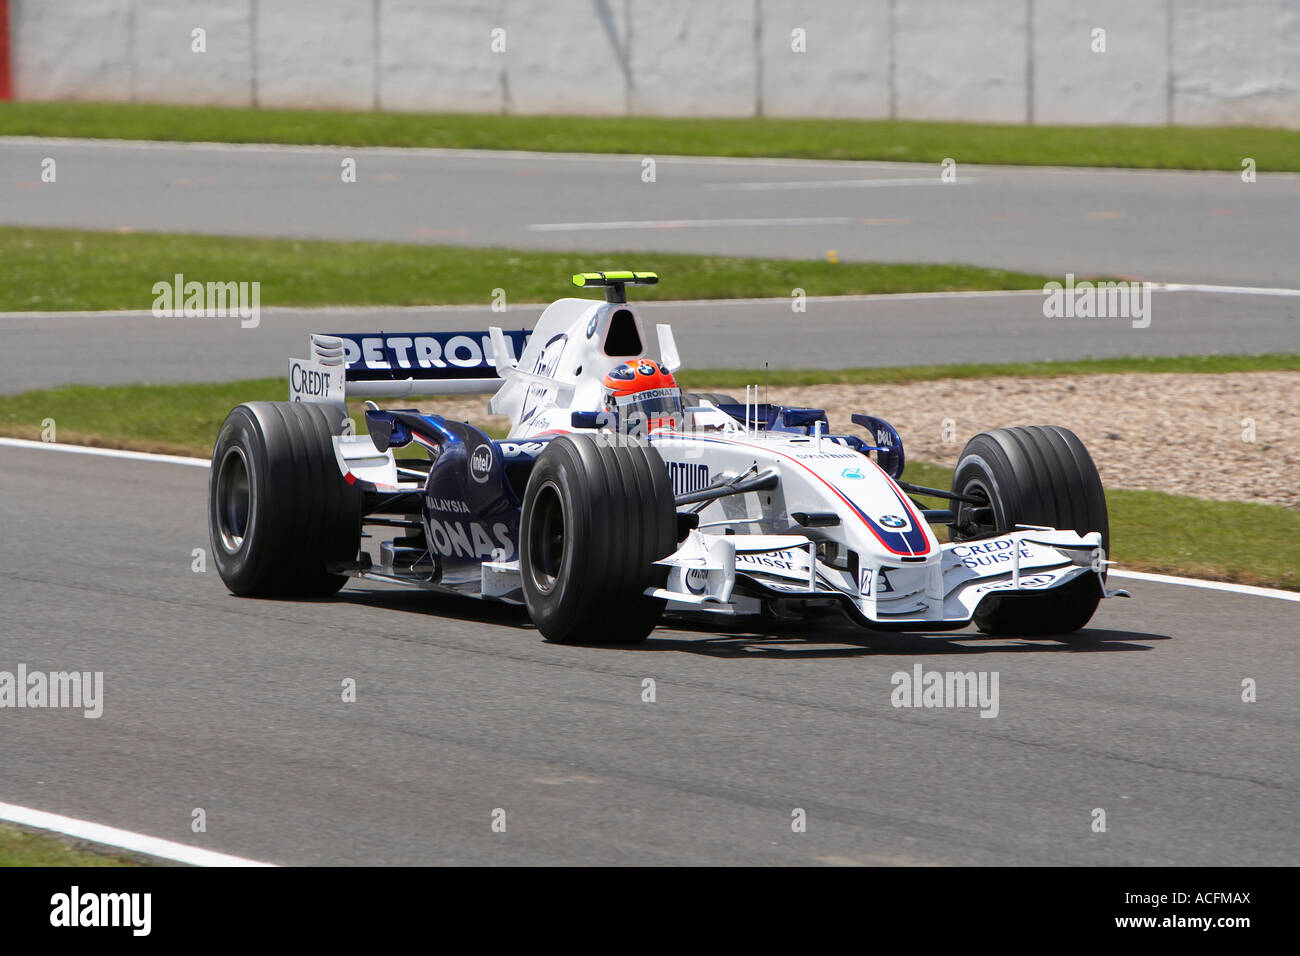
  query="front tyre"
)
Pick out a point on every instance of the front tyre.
point(279, 512)
point(1035, 475)
point(597, 514)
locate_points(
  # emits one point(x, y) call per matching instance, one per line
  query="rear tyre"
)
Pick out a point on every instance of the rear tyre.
point(596, 516)
point(279, 512)
point(1037, 475)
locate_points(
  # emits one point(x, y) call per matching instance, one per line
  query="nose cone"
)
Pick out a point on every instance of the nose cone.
point(882, 517)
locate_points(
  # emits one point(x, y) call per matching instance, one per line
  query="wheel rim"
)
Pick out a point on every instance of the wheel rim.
point(234, 496)
point(546, 538)
point(975, 520)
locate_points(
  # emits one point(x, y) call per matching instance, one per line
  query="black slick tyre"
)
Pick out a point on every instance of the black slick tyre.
point(1035, 475)
point(279, 512)
point(597, 513)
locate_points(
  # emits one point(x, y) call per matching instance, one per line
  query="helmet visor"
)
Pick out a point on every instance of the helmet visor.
point(656, 408)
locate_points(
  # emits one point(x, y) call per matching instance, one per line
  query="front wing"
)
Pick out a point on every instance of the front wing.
point(731, 574)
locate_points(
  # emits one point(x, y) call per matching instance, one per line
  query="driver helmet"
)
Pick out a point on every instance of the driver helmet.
point(643, 391)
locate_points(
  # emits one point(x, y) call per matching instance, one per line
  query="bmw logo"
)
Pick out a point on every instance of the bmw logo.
point(892, 521)
point(591, 326)
point(646, 368)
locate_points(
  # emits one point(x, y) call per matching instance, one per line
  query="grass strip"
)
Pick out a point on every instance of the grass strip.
point(20, 847)
point(1149, 147)
point(70, 269)
point(1242, 542)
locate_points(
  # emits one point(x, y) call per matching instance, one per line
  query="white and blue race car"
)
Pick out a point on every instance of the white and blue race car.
point(615, 497)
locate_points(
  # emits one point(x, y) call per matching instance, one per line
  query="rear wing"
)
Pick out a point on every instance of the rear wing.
point(398, 364)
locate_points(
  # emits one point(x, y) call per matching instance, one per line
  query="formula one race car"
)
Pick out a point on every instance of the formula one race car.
point(616, 497)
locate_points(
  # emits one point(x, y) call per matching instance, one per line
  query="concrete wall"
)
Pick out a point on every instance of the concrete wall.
point(1016, 61)
point(1236, 63)
point(164, 68)
point(962, 60)
point(1129, 83)
point(845, 67)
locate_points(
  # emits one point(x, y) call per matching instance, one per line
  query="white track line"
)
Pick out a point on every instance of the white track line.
point(121, 839)
point(204, 463)
point(692, 223)
point(531, 308)
point(106, 452)
point(379, 311)
point(777, 185)
point(1222, 289)
point(1208, 585)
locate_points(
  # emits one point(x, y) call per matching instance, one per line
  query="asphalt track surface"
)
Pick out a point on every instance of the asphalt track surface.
point(234, 706)
point(42, 350)
point(1161, 226)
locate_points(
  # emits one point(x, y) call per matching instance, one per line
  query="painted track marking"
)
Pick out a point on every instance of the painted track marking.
point(106, 452)
point(120, 839)
point(693, 223)
point(536, 307)
point(777, 185)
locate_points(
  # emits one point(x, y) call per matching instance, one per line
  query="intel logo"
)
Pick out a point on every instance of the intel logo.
point(480, 463)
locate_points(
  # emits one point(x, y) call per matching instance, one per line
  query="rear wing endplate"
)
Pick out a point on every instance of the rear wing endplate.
point(400, 364)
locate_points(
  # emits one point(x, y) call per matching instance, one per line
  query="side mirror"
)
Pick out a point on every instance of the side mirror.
point(593, 420)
